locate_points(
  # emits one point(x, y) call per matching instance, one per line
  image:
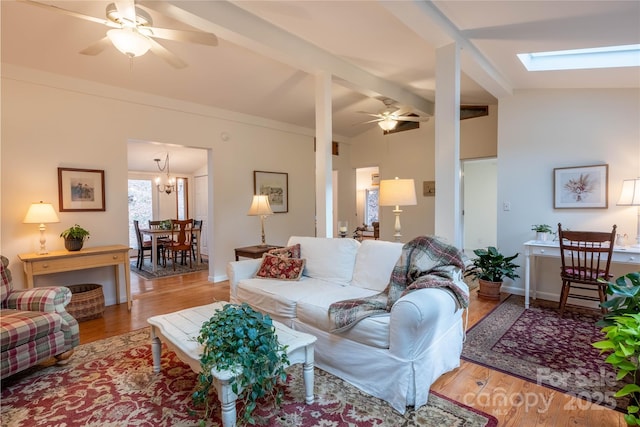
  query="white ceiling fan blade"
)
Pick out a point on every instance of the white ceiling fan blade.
point(370, 114)
point(70, 13)
point(165, 54)
point(370, 121)
point(127, 10)
point(97, 47)
point(411, 119)
point(200, 37)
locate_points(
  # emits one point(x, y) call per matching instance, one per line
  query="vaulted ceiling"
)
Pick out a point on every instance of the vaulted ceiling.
point(269, 51)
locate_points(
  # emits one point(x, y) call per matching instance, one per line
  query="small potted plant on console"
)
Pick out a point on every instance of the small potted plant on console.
point(74, 237)
point(542, 231)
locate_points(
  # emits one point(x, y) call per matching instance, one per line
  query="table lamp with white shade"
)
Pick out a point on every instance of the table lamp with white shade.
point(260, 207)
point(397, 192)
point(630, 196)
point(41, 213)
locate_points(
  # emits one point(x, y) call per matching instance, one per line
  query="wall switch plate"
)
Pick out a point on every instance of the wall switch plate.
point(506, 206)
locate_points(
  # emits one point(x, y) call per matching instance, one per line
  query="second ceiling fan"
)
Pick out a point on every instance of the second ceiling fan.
point(388, 118)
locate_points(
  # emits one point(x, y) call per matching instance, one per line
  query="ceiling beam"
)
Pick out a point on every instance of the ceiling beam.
point(234, 24)
point(428, 22)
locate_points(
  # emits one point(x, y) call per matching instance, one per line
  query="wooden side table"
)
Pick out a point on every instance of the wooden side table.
point(255, 251)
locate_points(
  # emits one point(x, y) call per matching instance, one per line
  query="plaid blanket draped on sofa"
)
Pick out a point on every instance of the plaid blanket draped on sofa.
point(425, 262)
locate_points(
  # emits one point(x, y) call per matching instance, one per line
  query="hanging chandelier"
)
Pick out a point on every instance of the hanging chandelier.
point(169, 184)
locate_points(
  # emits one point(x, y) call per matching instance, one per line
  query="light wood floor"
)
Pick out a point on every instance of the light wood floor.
point(514, 402)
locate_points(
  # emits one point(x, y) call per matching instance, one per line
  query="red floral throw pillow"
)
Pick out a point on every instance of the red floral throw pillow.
point(275, 267)
point(288, 252)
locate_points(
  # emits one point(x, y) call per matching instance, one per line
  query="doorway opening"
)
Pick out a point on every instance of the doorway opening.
point(367, 190)
point(479, 204)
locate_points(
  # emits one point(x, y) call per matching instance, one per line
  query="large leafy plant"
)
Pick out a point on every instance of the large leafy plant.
point(243, 341)
point(625, 292)
point(623, 343)
point(493, 266)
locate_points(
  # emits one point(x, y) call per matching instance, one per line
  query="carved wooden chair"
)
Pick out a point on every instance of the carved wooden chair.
point(181, 240)
point(586, 258)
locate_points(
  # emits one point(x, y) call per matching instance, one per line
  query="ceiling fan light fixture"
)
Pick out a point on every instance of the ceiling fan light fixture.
point(129, 41)
point(387, 124)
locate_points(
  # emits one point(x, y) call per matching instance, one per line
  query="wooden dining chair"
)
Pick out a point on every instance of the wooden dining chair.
point(143, 245)
point(197, 225)
point(180, 240)
point(586, 258)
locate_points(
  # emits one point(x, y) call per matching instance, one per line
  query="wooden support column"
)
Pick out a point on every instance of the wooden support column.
point(448, 218)
point(324, 131)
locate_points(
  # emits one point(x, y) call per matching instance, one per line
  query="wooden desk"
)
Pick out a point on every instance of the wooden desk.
point(63, 260)
point(534, 248)
point(255, 251)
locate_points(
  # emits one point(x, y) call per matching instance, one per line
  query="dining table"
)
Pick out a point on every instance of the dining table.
point(156, 233)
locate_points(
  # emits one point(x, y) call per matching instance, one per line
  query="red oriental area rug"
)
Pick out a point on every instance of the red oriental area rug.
point(112, 383)
point(540, 346)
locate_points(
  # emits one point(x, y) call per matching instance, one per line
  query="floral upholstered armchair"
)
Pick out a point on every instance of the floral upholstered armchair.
point(34, 325)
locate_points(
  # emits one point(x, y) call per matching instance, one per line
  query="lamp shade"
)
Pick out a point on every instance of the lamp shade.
point(260, 206)
point(129, 41)
point(41, 213)
point(397, 192)
point(630, 193)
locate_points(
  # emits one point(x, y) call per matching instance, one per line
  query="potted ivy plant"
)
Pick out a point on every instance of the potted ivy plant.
point(542, 231)
point(239, 339)
point(621, 326)
point(491, 267)
point(74, 237)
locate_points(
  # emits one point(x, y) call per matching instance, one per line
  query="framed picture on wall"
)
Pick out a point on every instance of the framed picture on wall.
point(276, 186)
point(81, 190)
point(580, 187)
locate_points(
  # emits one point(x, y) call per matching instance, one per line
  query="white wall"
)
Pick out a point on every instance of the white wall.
point(539, 130)
point(51, 121)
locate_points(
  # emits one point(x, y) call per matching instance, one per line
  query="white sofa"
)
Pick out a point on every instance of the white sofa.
point(396, 356)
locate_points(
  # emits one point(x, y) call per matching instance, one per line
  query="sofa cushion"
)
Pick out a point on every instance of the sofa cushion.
point(328, 259)
point(276, 267)
point(373, 331)
point(18, 327)
point(374, 263)
point(280, 297)
point(287, 252)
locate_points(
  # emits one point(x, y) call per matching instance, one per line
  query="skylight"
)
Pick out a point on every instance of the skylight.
point(577, 59)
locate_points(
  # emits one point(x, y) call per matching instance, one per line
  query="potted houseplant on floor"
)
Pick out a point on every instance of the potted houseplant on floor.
point(74, 237)
point(621, 326)
point(242, 340)
point(542, 231)
point(491, 267)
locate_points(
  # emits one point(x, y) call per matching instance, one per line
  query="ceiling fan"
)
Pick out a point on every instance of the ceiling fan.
point(132, 32)
point(388, 118)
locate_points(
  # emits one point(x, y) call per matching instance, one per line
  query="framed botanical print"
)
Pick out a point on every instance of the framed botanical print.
point(580, 187)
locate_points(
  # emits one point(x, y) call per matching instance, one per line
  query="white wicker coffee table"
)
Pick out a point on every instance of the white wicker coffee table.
point(180, 329)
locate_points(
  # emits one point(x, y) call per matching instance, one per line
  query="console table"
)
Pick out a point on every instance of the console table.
point(63, 260)
point(255, 251)
point(535, 248)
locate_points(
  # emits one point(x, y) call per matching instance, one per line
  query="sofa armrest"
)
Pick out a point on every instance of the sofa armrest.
point(240, 270)
point(49, 299)
point(419, 318)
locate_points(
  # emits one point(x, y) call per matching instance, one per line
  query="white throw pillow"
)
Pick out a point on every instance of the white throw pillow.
point(327, 259)
point(374, 263)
